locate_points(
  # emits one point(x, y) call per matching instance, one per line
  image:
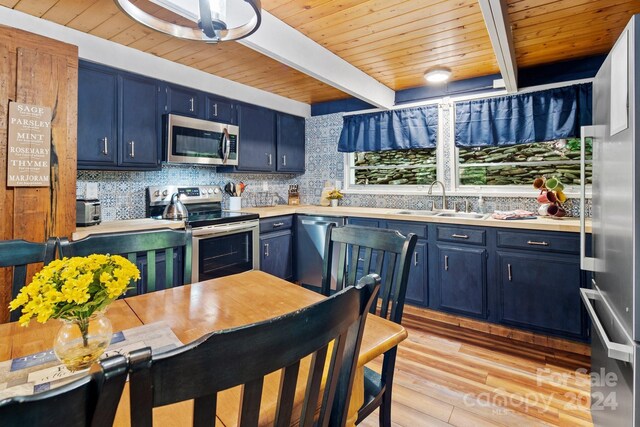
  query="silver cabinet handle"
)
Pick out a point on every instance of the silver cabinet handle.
point(192, 105)
point(270, 158)
point(534, 243)
point(509, 271)
point(446, 263)
point(415, 258)
point(266, 249)
point(284, 160)
point(459, 236)
point(278, 224)
point(586, 263)
point(615, 350)
point(215, 110)
point(132, 149)
point(105, 146)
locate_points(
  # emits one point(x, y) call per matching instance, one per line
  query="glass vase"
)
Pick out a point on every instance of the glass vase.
point(80, 342)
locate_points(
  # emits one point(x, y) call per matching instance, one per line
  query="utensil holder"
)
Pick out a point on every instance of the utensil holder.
point(235, 203)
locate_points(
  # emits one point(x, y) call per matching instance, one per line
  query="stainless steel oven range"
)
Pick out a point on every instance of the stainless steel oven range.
point(224, 242)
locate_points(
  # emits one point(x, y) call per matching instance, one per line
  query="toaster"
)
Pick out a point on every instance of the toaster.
point(87, 212)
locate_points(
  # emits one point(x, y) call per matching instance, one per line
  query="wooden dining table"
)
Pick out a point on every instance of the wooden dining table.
point(192, 311)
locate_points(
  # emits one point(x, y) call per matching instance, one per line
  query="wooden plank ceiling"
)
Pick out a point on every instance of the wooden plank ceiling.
point(394, 41)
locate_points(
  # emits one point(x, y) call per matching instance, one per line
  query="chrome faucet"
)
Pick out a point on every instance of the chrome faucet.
point(444, 196)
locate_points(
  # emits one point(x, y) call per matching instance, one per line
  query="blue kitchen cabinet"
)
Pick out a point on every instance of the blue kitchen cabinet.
point(142, 285)
point(118, 120)
point(256, 145)
point(97, 117)
point(462, 280)
point(366, 222)
point(139, 119)
point(290, 143)
point(220, 110)
point(276, 246)
point(541, 292)
point(276, 254)
point(183, 101)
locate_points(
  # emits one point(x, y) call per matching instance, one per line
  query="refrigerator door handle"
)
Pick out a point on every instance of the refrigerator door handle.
point(623, 352)
point(586, 263)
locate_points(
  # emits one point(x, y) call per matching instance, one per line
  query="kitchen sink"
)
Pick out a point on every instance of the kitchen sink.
point(467, 215)
point(417, 212)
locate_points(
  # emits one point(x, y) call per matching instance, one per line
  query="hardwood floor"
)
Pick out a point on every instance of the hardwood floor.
point(449, 375)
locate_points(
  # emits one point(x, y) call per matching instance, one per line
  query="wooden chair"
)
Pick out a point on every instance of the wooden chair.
point(244, 355)
point(365, 250)
point(132, 244)
point(20, 253)
point(89, 401)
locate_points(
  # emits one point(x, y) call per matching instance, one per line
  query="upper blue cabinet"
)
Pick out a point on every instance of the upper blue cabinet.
point(118, 120)
point(220, 110)
point(184, 101)
point(290, 143)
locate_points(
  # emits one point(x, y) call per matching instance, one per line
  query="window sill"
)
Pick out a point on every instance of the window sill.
point(572, 193)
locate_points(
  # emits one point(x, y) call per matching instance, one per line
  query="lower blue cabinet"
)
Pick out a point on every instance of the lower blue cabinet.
point(541, 292)
point(276, 254)
point(417, 289)
point(462, 280)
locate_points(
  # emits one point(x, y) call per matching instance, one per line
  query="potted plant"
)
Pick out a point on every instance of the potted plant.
point(77, 291)
point(334, 196)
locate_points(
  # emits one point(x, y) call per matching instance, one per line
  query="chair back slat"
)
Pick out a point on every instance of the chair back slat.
point(250, 406)
point(134, 244)
point(286, 394)
point(204, 410)
point(226, 359)
point(151, 271)
point(389, 285)
point(314, 381)
point(89, 401)
point(19, 254)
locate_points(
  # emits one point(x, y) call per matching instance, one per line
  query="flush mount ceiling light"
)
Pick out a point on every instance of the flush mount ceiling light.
point(437, 75)
point(210, 21)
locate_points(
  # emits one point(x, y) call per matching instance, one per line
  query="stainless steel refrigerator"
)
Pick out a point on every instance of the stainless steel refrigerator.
point(613, 303)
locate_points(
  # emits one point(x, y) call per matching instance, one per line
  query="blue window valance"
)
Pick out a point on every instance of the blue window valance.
point(523, 118)
point(390, 130)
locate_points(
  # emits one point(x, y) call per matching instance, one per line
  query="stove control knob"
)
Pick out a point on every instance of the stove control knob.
point(165, 193)
point(216, 190)
point(203, 192)
point(210, 191)
point(156, 193)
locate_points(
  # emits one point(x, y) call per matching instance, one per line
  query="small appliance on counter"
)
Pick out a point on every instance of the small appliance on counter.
point(88, 212)
point(294, 195)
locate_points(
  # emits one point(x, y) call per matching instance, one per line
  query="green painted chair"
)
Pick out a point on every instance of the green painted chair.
point(19, 254)
point(245, 355)
point(352, 252)
point(133, 245)
point(90, 401)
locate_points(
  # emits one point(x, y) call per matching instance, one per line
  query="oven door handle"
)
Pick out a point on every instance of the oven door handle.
point(220, 229)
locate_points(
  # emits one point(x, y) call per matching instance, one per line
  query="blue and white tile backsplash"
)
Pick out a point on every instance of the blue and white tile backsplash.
point(123, 193)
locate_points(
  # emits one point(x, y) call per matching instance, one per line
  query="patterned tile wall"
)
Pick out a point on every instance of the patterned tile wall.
point(122, 193)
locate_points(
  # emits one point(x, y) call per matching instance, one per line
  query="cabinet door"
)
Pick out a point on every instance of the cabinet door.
point(540, 292)
point(417, 287)
point(140, 141)
point(366, 222)
point(97, 106)
point(220, 110)
point(290, 143)
point(256, 145)
point(183, 101)
point(462, 280)
point(276, 254)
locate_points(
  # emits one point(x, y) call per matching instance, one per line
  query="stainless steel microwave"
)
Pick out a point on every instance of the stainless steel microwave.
point(199, 141)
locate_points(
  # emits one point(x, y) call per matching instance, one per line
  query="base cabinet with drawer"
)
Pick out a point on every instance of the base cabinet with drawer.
point(518, 278)
point(276, 246)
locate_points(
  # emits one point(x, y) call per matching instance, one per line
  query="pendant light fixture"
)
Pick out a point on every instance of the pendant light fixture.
point(213, 20)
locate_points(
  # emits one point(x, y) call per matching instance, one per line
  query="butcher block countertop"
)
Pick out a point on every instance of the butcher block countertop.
point(541, 223)
point(125, 225)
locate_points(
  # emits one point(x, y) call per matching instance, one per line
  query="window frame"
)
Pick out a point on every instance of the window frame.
point(446, 105)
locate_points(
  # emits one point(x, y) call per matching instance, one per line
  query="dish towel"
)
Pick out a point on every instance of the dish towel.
point(516, 214)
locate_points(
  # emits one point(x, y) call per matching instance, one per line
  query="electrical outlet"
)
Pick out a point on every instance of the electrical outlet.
point(91, 191)
point(338, 184)
point(265, 186)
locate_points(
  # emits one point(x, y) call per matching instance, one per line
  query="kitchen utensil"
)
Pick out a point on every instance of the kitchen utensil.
point(538, 183)
point(175, 210)
point(542, 210)
point(547, 197)
point(554, 184)
point(241, 187)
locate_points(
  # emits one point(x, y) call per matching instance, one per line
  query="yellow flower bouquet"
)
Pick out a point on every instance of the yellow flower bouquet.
point(76, 290)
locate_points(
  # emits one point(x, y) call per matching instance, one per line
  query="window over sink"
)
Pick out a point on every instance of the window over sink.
point(413, 167)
